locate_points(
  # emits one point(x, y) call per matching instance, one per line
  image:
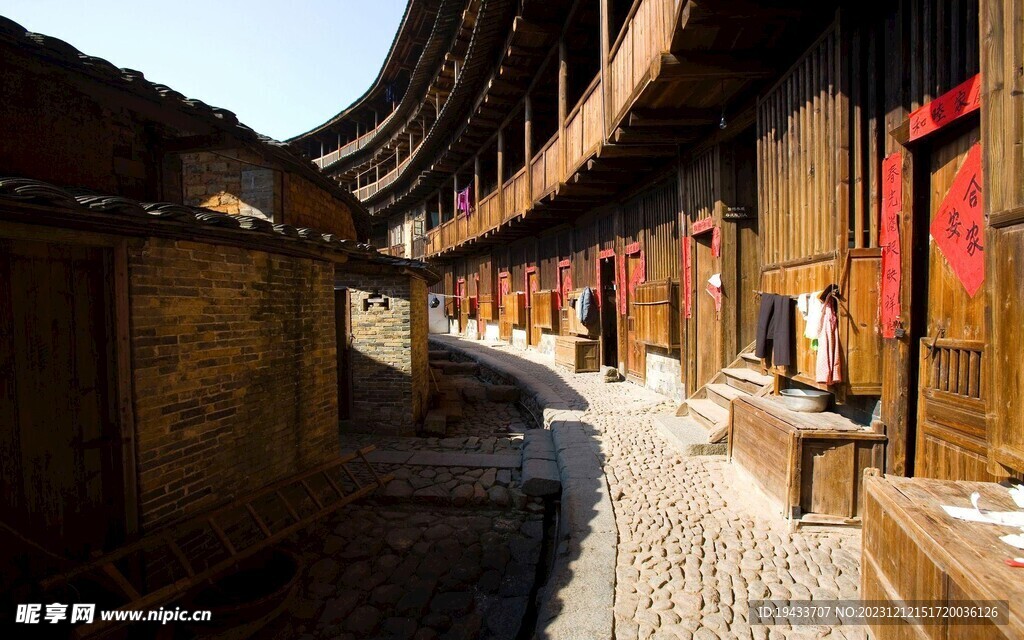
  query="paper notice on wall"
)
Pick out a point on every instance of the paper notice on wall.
point(958, 228)
point(889, 309)
point(951, 105)
point(714, 289)
point(716, 242)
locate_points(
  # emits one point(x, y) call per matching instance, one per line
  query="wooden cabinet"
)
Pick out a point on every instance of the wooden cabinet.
point(485, 308)
point(809, 464)
point(913, 550)
point(513, 306)
point(570, 323)
point(656, 314)
point(544, 306)
point(579, 354)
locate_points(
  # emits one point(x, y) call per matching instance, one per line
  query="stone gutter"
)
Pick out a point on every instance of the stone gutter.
point(578, 599)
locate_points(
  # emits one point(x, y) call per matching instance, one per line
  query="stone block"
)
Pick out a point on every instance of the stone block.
point(502, 393)
point(436, 422)
point(687, 436)
point(541, 477)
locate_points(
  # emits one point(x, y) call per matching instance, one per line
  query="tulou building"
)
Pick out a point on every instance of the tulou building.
point(757, 197)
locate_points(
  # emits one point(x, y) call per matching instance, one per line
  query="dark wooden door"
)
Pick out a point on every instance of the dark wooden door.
point(609, 315)
point(61, 477)
point(636, 352)
point(343, 340)
point(532, 330)
point(951, 438)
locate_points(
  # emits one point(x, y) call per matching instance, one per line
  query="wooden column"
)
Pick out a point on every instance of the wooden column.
point(476, 181)
point(501, 171)
point(528, 145)
point(605, 88)
point(563, 88)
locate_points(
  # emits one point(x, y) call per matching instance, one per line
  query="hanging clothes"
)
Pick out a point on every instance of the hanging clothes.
point(463, 200)
point(775, 329)
point(810, 306)
point(585, 306)
point(828, 369)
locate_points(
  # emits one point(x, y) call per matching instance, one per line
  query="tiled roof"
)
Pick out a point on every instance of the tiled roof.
point(59, 52)
point(152, 216)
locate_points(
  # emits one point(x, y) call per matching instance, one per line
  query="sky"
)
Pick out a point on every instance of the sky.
point(283, 67)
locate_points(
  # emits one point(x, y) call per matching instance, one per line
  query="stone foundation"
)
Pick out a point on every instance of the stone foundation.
point(664, 374)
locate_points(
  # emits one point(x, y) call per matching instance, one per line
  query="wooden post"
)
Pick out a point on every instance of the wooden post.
point(563, 88)
point(605, 88)
point(528, 146)
point(476, 181)
point(501, 171)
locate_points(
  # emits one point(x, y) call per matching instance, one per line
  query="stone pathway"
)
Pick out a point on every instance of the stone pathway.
point(694, 543)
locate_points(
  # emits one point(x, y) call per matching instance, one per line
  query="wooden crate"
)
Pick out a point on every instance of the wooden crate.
point(808, 464)
point(656, 313)
point(544, 307)
point(579, 354)
point(912, 550)
point(514, 307)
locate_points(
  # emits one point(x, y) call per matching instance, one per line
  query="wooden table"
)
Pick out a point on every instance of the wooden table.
point(809, 464)
point(913, 550)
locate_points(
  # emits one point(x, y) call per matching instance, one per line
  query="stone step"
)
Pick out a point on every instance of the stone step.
point(452, 410)
point(439, 354)
point(746, 380)
point(707, 413)
point(502, 393)
point(687, 436)
point(450, 368)
point(435, 423)
point(723, 394)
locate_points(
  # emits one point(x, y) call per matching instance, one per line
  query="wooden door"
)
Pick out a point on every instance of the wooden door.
point(706, 333)
point(636, 352)
point(609, 315)
point(462, 305)
point(951, 438)
point(532, 330)
point(343, 340)
point(61, 473)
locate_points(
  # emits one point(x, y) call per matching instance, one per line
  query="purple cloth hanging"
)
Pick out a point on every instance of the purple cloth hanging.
point(462, 200)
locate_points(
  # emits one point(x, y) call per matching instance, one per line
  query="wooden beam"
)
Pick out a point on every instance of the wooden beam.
point(717, 13)
point(680, 117)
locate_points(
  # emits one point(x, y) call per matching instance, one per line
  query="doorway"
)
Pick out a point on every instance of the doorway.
point(62, 481)
point(950, 442)
point(343, 340)
point(609, 315)
point(532, 286)
point(636, 351)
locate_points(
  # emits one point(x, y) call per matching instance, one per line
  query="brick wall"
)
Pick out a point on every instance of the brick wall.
point(231, 181)
point(390, 373)
point(307, 205)
point(233, 359)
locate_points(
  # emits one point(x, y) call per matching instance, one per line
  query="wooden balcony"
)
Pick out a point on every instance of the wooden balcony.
point(647, 33)
point(584, 126)
point(352, 146)
point(545, 169)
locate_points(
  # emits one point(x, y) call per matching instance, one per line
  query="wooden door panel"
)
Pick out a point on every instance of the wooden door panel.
point(951, 435)
point(636, 352)
point(532, 331)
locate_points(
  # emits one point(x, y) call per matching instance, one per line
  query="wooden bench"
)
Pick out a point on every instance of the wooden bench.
point(808, 464)
point(913, 551)
point(579, 354)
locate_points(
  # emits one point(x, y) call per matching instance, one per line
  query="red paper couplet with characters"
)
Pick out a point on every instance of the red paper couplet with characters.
point(716, 242)
point(889, 237)
point(951, 105)
point(687, 278)
point(702, 226)
point(958, 228)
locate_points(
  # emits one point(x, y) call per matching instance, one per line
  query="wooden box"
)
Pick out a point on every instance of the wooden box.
point(912, 550)
point(514, 307)
point(485, 308)
point(656, 313)
point(570, 324)
point(579, 354)
point(544, 306)
point(808, 464)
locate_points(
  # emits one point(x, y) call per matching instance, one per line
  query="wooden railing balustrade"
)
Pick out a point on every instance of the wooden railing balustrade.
point(645, 36)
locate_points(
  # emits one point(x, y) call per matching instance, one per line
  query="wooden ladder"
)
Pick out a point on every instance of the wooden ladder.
point(241, 529)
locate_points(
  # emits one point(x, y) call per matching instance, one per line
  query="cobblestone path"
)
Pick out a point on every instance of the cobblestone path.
point(695, 542)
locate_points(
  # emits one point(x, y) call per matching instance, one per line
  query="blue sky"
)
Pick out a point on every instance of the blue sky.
point(283, 67)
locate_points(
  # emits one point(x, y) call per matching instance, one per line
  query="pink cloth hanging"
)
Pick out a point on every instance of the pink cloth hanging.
point(828, 369)
point(463, 200)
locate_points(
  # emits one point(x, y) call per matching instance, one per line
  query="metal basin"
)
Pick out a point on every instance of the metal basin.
point(806, 400)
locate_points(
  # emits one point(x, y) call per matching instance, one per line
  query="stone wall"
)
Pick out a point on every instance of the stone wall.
point(307, 205)
point(547, 343)
point(664, 374)
point(390, 375)
point(234, 377)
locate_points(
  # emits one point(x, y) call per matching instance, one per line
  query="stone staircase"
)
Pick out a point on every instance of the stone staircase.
point(701, 424)
point(454, 384)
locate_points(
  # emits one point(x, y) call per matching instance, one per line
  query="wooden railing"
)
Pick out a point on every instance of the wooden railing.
point(351, 147)
point(488, 213)
point(515, 195)
point(645, 35)
point(545, 169)
point(584, 128)
point(366, 191)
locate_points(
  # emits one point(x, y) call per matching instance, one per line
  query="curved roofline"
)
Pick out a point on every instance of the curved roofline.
point(375, 86)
